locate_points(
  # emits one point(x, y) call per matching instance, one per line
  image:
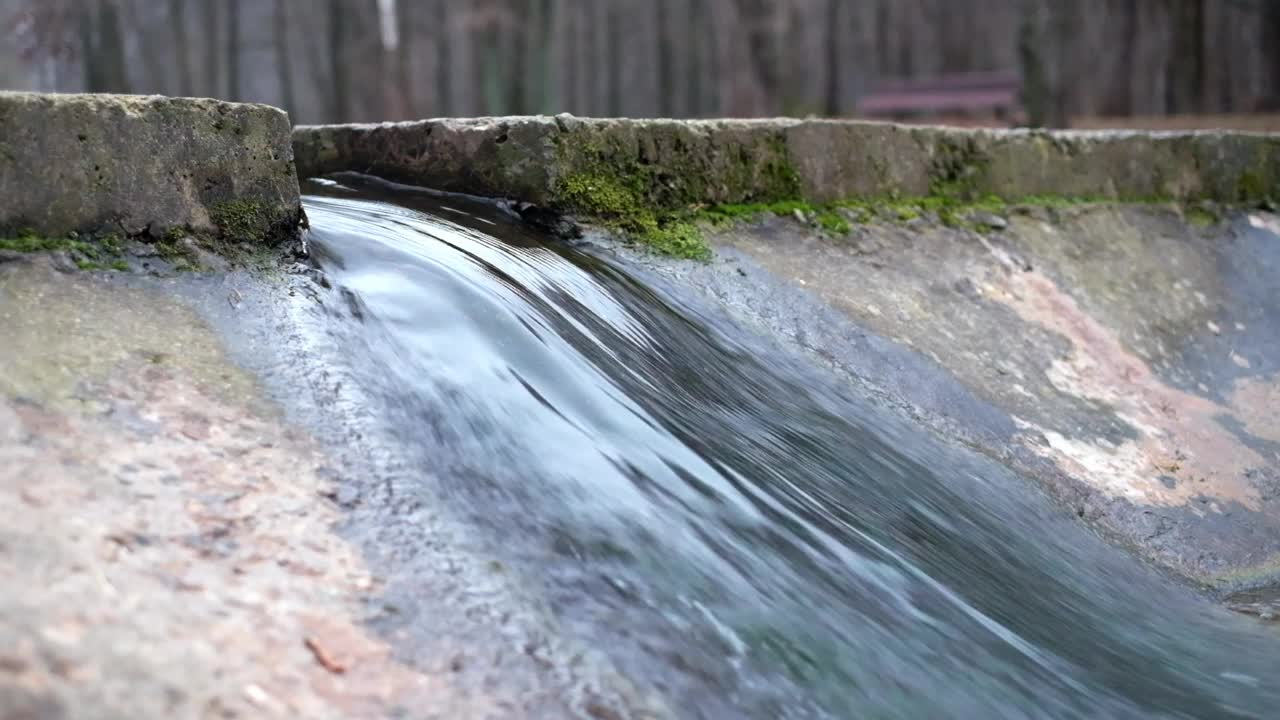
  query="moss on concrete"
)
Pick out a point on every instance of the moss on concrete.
point(1201, 217)
point(653, 185)
point(645, 177)
point(28, 242)
point(957, 168)
point(242, 219)
point(1253, 185)
point(617, 203)
point(104, 252)
point(620, 202)
point(678, 238)
point(838, 218)
point(180, 248)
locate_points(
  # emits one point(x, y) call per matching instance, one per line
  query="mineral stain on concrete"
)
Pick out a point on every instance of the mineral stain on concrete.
point(1114, 342)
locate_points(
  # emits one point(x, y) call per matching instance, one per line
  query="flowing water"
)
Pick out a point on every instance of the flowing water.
point(735, 530)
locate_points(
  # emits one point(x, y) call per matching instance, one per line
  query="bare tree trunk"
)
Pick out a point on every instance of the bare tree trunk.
point(461, 61)
point(430, 58)
point(178, 31)
point(115, 75)
point(444, 58)
point(677, 51)
point(1036, 98)
point(153, 70)
point(1119, 100)
point(233, 49)
point(213, 75)
point(88, 31)
point(576, 33)
point(1271, 57)
point(408, 38)
point(493, 69)
point(1186, 71)
point(392, 99)
point(771, 67)
point(636, 40)
point(615, 76)
point(599, 74)
point(561, 56)
point(740, 92)
point(535, 58)
point(340, 99)
point(703, 99)
point(284, 63)
point(884, 58)
point(831, 99)
point(1063, 27)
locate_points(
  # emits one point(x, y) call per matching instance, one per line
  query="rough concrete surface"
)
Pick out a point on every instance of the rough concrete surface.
point(168, 548)
point(676, 164)
point(1124, 357)
point(133, 165)
point(176, 546)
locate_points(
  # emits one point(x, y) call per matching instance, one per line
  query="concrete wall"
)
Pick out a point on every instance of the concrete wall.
point(671, 164)
point(135, 165)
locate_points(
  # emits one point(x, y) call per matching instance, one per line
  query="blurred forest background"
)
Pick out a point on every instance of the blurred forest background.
point(365, 60)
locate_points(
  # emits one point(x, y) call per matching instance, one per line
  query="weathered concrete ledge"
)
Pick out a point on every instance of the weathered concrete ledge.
point(597, 167)
point(145, 165)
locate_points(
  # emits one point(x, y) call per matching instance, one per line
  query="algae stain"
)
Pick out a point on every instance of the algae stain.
point(665, 208)
point(1200, 217)
point(104, 252)
point(621, 206)
point(242, 219)
point(66, 332)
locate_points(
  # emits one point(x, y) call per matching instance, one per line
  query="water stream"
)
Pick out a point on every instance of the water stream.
point(734, 529)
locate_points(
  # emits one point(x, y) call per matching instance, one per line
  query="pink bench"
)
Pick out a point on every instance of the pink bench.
point(994, 93)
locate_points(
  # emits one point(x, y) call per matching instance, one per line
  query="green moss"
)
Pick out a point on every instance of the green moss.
point(242, 219)
point(906, 213)
point(101, 253)
point(720, 214)
point(724, 214)
point(1253, 187)
point(601, 196)
point(1201, 216)
point(832, 222)
point(619, 205)
point(837, 218)
point(782, 180)
point(653, 192)
point(1060, 201)
point(27, 242)
point(827, 217)
point(958, 167)
point(678, 238)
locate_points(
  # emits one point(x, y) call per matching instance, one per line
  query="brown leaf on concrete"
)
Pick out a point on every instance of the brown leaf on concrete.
point(326, 660)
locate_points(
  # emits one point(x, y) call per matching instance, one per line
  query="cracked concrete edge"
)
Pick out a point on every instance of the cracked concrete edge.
point(674, 164)
point(148, 165)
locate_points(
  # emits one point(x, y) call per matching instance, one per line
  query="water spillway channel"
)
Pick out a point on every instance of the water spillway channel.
point(735, 529)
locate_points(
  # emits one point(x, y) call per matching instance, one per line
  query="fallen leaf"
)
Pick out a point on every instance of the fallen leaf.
point(324, 658)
